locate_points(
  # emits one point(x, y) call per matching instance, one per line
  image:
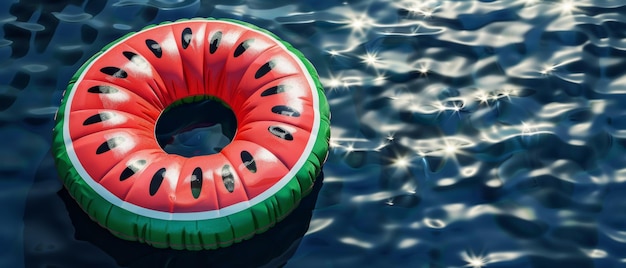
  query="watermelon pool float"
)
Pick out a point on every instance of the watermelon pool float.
point(109, 159)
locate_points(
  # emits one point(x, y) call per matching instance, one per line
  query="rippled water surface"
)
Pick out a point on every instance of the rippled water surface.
point(464, 133)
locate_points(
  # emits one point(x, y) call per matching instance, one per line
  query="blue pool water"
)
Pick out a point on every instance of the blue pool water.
point(464, 133)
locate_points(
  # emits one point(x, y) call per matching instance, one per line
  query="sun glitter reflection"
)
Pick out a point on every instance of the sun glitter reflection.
point(445, 147)
point(548, 69)
point(402, 162)
point(425, 9)
point(359, 23)
point(379, 79)
point(334, 82)
point(473, 260)
point(452, 147)
point(423, 69)
point(567, 7)
point(337, 82)
point(333, 52)
point(350, 145)
point(356, 242)
point(371, 59)
point(528, 3)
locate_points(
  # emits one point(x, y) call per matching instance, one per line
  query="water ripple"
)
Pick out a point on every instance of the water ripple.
point(4, 43)
point(161, 4)
point(29, 26)
point(121, 26)
point(72, 17)
point(35, 68)
point(44, 110)
point(268, 14)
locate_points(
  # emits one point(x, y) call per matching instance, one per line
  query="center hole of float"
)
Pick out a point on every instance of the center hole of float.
point(197, 125)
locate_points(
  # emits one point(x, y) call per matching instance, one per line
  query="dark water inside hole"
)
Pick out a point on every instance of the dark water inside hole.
point(197, 128)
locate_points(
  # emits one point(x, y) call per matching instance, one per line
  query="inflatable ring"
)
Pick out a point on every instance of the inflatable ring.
point(109, 160)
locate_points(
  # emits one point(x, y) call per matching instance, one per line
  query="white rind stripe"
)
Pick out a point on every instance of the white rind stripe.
point(202, 215)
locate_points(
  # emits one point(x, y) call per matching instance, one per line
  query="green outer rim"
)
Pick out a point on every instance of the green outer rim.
point(200, 234)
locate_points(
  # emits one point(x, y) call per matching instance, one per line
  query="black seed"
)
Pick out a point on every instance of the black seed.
point(248, 161)
point(263, 70)
point(129, 55)
point(126, 173)
point(285, 110)
point(156, 181)
point(273, 90)
point(280, 132)
point(102, 90)
point(109, 144)
point(185, 38)
point(242, 47)
point(114, 71)
point(196, 182)
point(154, 47)
point(134, 58)
point(98, 118)
point(215, 41)
point(228, 178)
point(92, 120)
point(132, 169)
